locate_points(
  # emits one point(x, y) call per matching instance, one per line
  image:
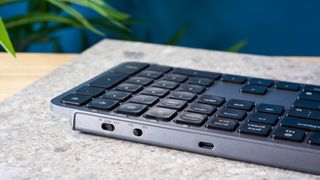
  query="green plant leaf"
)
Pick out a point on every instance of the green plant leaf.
point(176, 37)
point(3, 2)
point(5, 40)
point(75, 14)
point(102, 8)
point(26, 19)
point(238, 46)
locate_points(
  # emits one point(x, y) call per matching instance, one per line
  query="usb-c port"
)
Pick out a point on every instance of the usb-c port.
point(206, 145)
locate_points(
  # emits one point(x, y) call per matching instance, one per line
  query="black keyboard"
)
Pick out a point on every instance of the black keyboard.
point(251, 119)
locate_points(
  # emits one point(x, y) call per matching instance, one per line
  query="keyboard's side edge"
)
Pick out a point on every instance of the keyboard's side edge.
point(224, 146)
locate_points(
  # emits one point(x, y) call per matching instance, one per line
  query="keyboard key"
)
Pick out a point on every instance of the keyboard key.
point(155, 91)
point(159, 68)
point(192, 88)
point(222, 123)
point(253, 89)
point(90, 91)
point(159, 113)
point(182, 95)
point(269, 108)
point(212, 100)
point(312, 88)
point(174, 77)
point(131, 109)
point(200, 81)
point(261, 82)
point(191, 119)
point(234, 79)
point(103, 104)
point(306, 124)
point(172, 103)
point(76, 99)
point(130, 68)
point(307, 104)
point(263, 118)
point(165, 84)
point(240, 104)
point(140, 80)
point(150, 74)
point(133, 88)
point(255, 129)
point(201, 108)
point(314, 139)
point(232, 113)
point(190, 72)
point(117, 95)
point(288, 134)
point(288, 86)
point(310, 96)
point(304, 113)
point(144, 99)
point(108, 80)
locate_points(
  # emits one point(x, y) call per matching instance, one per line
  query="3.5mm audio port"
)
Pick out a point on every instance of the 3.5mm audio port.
point(137, 132)
point(107, 126)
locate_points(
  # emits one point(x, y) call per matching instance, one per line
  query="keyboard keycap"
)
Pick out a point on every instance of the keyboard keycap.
point(240, 104)
point(311, 88)
point(304, 113)
point(159, 68)
point(103, 104)
point(130, 68)
point(172, 103)
point(140, 80)
point(253, 89)
point(232, 113)
point(269, 108)
point(191, 119)
point(174, 77)
point(108, 80)
point(117, 95)
point(190, 72)
point(150, 74)
point(212, 100)
point(307, 104)
point(306, 124)
point(90, 91)
point(133, 88)
point(200, 81)
point(255, 129)
point(154, 91)
point(222, 123)
point(288, 86)
point(263, 118)
point(234, 79)
point(76, 99)
point(314, 139)
point(310, 96)
point(192, 88)
point(131, 109)
point(165, 84)
point(201, 108)
point(159, 113)
point(261, 82)
point(288, 134)
point(182, 95)
point(144, 99)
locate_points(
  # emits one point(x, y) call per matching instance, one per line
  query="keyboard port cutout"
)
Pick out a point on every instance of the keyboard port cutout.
point(206, 145)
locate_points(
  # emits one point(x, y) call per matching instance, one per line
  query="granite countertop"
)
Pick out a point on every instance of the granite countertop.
point(37, 144)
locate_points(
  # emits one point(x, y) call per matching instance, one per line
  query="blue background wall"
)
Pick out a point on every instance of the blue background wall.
point(271, 27)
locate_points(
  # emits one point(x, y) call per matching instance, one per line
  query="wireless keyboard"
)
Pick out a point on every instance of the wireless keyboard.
point(250, 119)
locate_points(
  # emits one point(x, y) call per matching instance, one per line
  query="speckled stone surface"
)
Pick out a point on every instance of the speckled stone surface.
point(37, 144)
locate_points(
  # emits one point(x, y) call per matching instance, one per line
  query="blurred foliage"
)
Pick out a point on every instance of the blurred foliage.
point(5, 40)
point(45, 17)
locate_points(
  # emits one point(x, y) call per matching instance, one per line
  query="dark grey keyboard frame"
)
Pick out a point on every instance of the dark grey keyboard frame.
point(299, 156)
